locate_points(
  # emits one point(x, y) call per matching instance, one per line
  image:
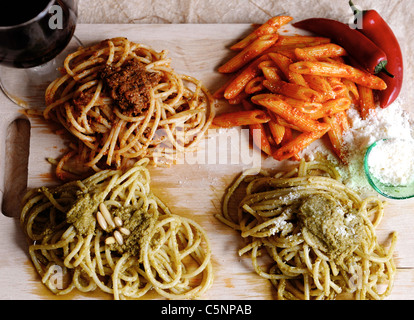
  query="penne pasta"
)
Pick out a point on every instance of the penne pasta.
point(253, 50)
point(352, 89)
point(296, 89)
point(301, 104)
point(298, 144)
point(289, 113)
point(258, 132)
point(260, 138)
point(241, 118)
point(293, 90)
point(339, 88)
point(298, 79)
point(271, 74)
point(284, 123)
point(255, 85)
point(301, 40)
point(287, 51)
point(237, 85)
point(342, 119)
point(335, 136)
point(283, 63)
point(239, 98)
point(328, 69)
point(269, 27)
point(321, 85)
point(330, 108)
point(219, 93)
point(328, 50)
point(277, 131)
point(366, 101)
point(288, 137)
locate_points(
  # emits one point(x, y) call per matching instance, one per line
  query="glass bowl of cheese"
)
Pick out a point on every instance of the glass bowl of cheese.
point(389, 167)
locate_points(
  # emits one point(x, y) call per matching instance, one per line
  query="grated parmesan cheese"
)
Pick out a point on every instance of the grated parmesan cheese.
point(389, 123)
point(392, 162)
point(278, 226)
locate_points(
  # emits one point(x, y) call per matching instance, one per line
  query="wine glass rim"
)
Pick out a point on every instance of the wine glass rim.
point(40, 15)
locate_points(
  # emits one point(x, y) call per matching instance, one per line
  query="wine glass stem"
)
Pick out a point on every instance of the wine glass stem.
point(10, 96)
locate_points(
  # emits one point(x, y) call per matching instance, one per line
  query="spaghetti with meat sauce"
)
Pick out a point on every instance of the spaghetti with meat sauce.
point(129, 86)
point(122, 100)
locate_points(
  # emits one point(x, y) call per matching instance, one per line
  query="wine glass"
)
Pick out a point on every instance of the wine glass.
point(35, 36)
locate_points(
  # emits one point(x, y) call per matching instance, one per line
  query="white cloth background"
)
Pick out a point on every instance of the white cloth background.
point(227, 11)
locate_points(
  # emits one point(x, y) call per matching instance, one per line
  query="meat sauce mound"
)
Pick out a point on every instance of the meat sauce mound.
point(129, 86)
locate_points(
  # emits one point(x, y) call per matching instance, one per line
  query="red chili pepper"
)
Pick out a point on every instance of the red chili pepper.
point(365, 52)
point(378, 31)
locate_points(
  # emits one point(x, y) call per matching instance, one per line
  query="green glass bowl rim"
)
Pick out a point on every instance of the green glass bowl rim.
point(371, 181)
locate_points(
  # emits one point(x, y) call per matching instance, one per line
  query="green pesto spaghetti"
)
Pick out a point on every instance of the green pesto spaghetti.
point(318, 233)
point(110, 232)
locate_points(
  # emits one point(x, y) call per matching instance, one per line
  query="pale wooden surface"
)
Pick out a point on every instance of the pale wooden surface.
point(194, 190)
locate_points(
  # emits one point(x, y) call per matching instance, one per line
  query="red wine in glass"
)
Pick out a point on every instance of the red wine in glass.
point(35, 37)
point(33, 32)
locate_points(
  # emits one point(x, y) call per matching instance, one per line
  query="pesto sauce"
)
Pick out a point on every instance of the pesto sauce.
point(338, 229)
point(82, 213)
point(140, 223)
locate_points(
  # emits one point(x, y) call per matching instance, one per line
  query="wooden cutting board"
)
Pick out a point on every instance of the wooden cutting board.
point(193, 189)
